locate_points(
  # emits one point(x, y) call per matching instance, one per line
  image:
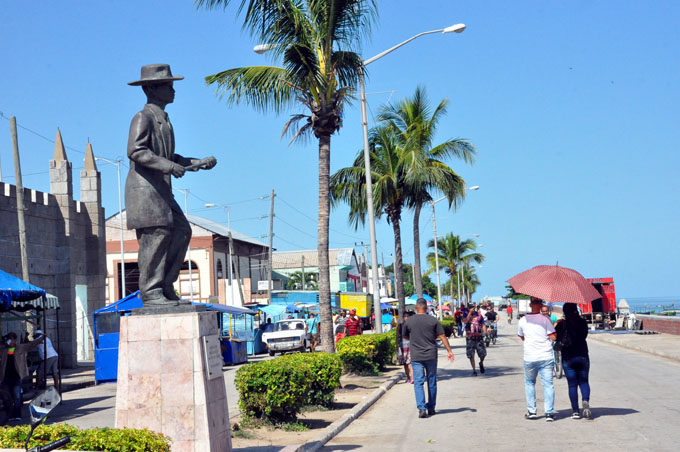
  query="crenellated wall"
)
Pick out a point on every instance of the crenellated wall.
point(66, 247)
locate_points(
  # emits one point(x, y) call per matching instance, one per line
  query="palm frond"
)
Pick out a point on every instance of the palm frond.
point(262, 87)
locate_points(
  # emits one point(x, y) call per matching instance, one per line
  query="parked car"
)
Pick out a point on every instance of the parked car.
point(288, 336)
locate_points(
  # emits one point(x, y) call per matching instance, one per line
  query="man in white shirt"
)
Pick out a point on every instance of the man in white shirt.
point(49, 365)
point(538, 334)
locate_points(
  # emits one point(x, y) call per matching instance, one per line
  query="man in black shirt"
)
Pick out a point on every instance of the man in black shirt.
point(422, 331)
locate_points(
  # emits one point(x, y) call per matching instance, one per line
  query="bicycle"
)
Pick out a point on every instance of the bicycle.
point(558, 369)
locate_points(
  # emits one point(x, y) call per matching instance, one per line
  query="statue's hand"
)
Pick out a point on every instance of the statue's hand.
point(208, 162)
point(178, 170)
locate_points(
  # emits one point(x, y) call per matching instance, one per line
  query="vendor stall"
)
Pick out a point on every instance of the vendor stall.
point(235, 327)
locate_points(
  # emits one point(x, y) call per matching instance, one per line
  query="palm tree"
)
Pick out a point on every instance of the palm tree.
point(390, 193)
point(452, 253)
point(295, 281)
point(318, 42)
point(470, 280)
point(416, 124)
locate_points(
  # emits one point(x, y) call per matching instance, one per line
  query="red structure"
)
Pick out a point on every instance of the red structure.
point(601, 310)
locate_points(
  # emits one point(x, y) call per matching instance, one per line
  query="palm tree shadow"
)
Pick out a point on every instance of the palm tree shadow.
point(491, 372)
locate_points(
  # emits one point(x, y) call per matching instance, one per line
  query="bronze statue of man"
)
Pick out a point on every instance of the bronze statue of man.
point(163, 231)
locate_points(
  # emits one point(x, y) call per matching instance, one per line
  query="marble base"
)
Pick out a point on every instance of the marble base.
point(163, 381)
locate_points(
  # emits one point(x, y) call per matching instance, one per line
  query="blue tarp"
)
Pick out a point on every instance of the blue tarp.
point(273, 310)
point(292, 308)
point(132, 301)
point(385, 306)
point(426, 297)
point(15, 289)
point(226, 309)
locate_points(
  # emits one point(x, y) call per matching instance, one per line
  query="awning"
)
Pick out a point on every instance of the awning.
point(272, 310)
point(226, 309)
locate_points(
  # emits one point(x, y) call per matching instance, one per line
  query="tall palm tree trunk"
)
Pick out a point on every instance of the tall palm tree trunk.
point(327, 341)
point(417, 273)
point(398, 269)
point(453, 274)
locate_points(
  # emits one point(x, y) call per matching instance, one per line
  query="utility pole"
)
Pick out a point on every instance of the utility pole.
point(271, 245)
point(436, 260)
point(20, 200)
point(232, 261)
point(191, 278)
point(303, 272)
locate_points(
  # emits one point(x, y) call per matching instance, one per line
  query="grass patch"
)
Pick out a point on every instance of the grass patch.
point(242, 434)
point(310, 408)
point(296, 426)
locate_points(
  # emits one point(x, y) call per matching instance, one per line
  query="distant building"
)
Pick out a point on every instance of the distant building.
point(209, 279)
point(344, 267)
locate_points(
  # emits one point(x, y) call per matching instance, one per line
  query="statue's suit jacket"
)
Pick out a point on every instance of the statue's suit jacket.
point(149, 200)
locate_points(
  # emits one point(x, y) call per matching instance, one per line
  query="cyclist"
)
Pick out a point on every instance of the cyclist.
point(492, 318)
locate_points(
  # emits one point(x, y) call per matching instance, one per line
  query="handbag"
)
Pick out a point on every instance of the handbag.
point(564, 341)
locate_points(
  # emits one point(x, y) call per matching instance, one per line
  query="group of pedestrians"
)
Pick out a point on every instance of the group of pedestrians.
point(540, 333)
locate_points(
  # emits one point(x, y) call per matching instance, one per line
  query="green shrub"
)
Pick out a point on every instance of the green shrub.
point(95, 439)
point(326, 370)
point(449, 325)
point(367, 354)
point(273, 390)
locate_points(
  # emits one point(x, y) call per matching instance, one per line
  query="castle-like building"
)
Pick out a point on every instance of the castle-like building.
point(66, 247)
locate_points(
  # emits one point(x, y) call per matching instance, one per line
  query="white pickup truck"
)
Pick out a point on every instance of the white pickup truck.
point(288, 335)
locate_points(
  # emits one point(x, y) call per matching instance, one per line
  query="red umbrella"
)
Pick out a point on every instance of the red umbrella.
point(446, 308)
point(555, 284)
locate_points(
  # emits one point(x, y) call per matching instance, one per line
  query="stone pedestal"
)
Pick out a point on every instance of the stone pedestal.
point(166, 382)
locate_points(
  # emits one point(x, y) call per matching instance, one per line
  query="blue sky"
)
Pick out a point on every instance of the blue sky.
point(571, 104)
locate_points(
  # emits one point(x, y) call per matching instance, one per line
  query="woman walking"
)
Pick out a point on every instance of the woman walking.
point(404, 352)
point(572, 333)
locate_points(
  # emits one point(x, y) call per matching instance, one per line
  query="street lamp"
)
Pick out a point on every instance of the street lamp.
point(120, 223)
point(231, 280)
point(458, 28)
point(186, 212)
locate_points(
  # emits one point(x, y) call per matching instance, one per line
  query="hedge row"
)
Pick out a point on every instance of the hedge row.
point(95, 439)
point(449, 325)
point(276, 390)
point(367, 354)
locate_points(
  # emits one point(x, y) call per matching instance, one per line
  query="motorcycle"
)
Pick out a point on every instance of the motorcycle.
point(39, 408)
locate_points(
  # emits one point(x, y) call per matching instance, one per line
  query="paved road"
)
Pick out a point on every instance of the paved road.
point(634, 400)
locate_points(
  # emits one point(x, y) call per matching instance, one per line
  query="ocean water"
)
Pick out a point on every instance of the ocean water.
point(658, 304)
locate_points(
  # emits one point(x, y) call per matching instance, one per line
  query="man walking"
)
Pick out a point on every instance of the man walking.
point(422, 332)
point(475, 330)
point(353, 324)
point(312, 326)
point(538, 334)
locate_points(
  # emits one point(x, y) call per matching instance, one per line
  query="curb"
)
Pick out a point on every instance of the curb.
point(650, 351)
point(75, 386)
point(336, 427)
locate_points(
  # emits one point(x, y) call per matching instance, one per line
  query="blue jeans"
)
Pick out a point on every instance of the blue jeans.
point(14, 389)
point(576, 370)
point(423, 370)
point(531, 370)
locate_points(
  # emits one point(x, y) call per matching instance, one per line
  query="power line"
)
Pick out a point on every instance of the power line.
point(314, 220)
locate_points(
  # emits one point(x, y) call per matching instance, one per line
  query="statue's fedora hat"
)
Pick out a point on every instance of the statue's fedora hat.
point(156, 73)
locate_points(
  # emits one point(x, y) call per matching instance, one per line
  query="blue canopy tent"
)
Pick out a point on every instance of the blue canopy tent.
point(106, 331)
point(15, 289)
point(17, 295)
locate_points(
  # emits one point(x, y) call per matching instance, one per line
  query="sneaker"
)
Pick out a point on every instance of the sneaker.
point(530, 415)
point(481, 367)
point(422, 413)
point(586, 410)
point(430, 412)
point(15, 419)
point(575, 415)
point(474, 373)
point(550, 417)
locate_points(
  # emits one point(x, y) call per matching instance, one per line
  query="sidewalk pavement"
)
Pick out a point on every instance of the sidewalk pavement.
point(78, 378)
point(664, 345)
point(633, 403)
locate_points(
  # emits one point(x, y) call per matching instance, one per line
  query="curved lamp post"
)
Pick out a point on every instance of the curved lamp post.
point(458, 28)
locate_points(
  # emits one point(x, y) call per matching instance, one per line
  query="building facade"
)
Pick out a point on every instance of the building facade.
point(66, 251)
point(208, 279)
point(344, 267)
